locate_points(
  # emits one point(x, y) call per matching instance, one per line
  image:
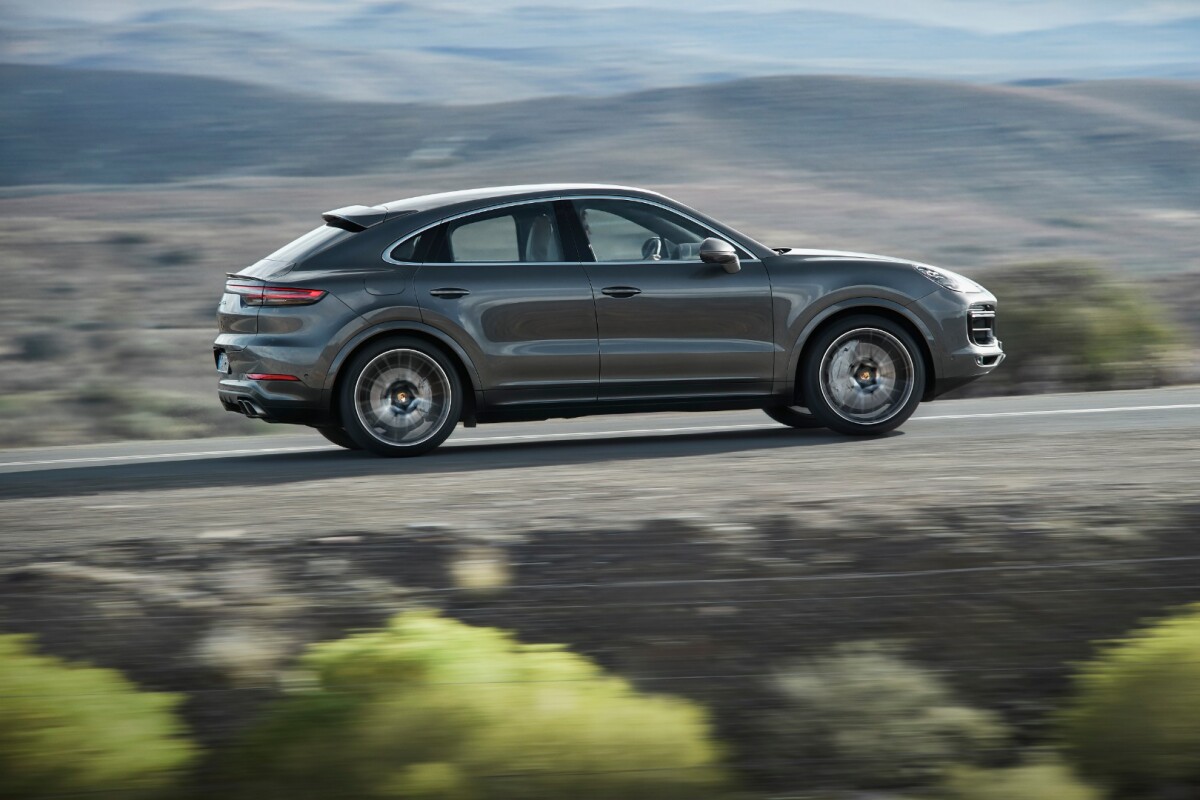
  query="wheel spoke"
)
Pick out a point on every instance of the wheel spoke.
point(866, 376)
point(402, 397)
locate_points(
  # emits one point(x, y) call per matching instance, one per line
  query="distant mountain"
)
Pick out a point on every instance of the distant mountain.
point(1087, 146)
point(416, 51)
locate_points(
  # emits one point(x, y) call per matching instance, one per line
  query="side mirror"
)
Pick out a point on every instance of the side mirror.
point(719, 251)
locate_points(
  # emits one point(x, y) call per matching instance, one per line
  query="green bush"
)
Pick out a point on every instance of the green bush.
point(1071, 325)
point(862, 716)
point(1134, 721)
point(67, 728)
point(431, 708)
point(1046, 781)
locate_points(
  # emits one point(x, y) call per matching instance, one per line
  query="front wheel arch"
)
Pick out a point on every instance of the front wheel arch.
point(815, 329)
point(863, 375)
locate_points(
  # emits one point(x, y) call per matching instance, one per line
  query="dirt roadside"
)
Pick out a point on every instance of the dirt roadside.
point(697, 567)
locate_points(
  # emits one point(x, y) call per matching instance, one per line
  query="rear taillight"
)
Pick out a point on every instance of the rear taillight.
point(258, 294)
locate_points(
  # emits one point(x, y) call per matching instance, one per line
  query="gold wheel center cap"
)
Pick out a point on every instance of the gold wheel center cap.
point(865, 375)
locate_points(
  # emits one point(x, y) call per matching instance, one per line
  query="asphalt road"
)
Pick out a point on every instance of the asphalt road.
point(1126, 438)
point(292, 453)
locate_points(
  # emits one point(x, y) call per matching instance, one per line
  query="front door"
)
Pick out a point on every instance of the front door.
point(501, 284)
point(669, 324)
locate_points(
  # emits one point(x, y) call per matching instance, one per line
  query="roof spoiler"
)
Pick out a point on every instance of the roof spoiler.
point(355, 218)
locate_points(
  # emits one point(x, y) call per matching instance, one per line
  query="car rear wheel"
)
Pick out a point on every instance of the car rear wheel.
point(400, 397)
point(863, 375)
point(339, 437)
point(795, 416)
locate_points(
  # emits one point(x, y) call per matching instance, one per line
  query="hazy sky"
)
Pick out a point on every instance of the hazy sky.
point(988, 16)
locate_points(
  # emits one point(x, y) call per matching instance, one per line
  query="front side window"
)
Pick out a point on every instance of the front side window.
point(623, 230)
point(525, 233)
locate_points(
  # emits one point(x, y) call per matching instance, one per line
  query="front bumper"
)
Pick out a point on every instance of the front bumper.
point(966, 365)
point(964, 347)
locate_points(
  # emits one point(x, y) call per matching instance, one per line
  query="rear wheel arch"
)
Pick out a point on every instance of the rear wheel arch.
point(467, 375)
point(881, 309)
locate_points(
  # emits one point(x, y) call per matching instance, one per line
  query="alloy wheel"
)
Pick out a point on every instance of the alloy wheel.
point(402, 397)
point(866, 376)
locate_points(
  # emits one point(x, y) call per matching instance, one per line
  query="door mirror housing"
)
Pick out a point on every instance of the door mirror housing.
point(719, 251)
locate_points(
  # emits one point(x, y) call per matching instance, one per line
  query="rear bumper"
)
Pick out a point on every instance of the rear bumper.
point(256, 399)
point(270, 400)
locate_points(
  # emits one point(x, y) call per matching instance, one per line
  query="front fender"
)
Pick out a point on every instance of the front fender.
point(854, 299)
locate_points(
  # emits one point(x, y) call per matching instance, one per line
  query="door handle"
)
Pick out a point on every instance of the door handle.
point(449, 293)
point(620, 291)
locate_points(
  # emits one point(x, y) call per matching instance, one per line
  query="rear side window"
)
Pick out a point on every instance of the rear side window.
point(525, 233)
point(492, 239)
point(310, 243)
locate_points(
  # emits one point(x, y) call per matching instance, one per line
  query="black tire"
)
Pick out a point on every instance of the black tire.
point(339, 437)
point(400, 396)
point(863, 375)
point(795, 416)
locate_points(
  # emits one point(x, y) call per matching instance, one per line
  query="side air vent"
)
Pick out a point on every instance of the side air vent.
point(981, 324)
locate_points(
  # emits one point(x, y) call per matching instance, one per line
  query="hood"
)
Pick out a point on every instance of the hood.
point(807, 252)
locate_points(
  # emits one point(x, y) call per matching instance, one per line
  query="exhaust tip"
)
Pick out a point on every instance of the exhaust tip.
point(251, 409)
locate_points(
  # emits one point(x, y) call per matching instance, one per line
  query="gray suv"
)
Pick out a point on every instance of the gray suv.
point(390, 324)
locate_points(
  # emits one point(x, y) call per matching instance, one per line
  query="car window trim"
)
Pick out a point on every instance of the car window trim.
point(551, 200)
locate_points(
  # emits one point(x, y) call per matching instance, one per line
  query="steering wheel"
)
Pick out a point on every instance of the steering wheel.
point(655, 249)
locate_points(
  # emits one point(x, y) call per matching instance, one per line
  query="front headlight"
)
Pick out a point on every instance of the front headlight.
point(948, 280)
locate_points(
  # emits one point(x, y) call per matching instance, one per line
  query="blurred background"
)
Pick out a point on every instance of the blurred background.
point(1043, 147)
point(149, 146)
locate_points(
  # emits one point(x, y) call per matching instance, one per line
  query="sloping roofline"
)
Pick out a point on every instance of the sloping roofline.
point(426, 208)
point(431, 201)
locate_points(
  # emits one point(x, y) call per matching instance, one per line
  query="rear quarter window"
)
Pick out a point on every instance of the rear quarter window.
point(413, 248)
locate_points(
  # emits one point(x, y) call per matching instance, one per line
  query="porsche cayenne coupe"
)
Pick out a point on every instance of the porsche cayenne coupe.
point(390, 324)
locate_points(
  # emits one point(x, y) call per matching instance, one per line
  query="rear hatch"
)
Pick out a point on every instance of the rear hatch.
point(234, 316)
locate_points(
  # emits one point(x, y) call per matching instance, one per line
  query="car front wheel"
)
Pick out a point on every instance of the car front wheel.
point(863, 375)
point(400, 397)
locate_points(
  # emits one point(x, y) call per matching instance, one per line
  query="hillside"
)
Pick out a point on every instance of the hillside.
point(1160, 99)
point(126, 197)
point(1089, 146)
point(420, 50)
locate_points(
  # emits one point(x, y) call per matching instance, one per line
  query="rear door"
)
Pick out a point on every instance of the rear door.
point(501, 283)
point(669, 324)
